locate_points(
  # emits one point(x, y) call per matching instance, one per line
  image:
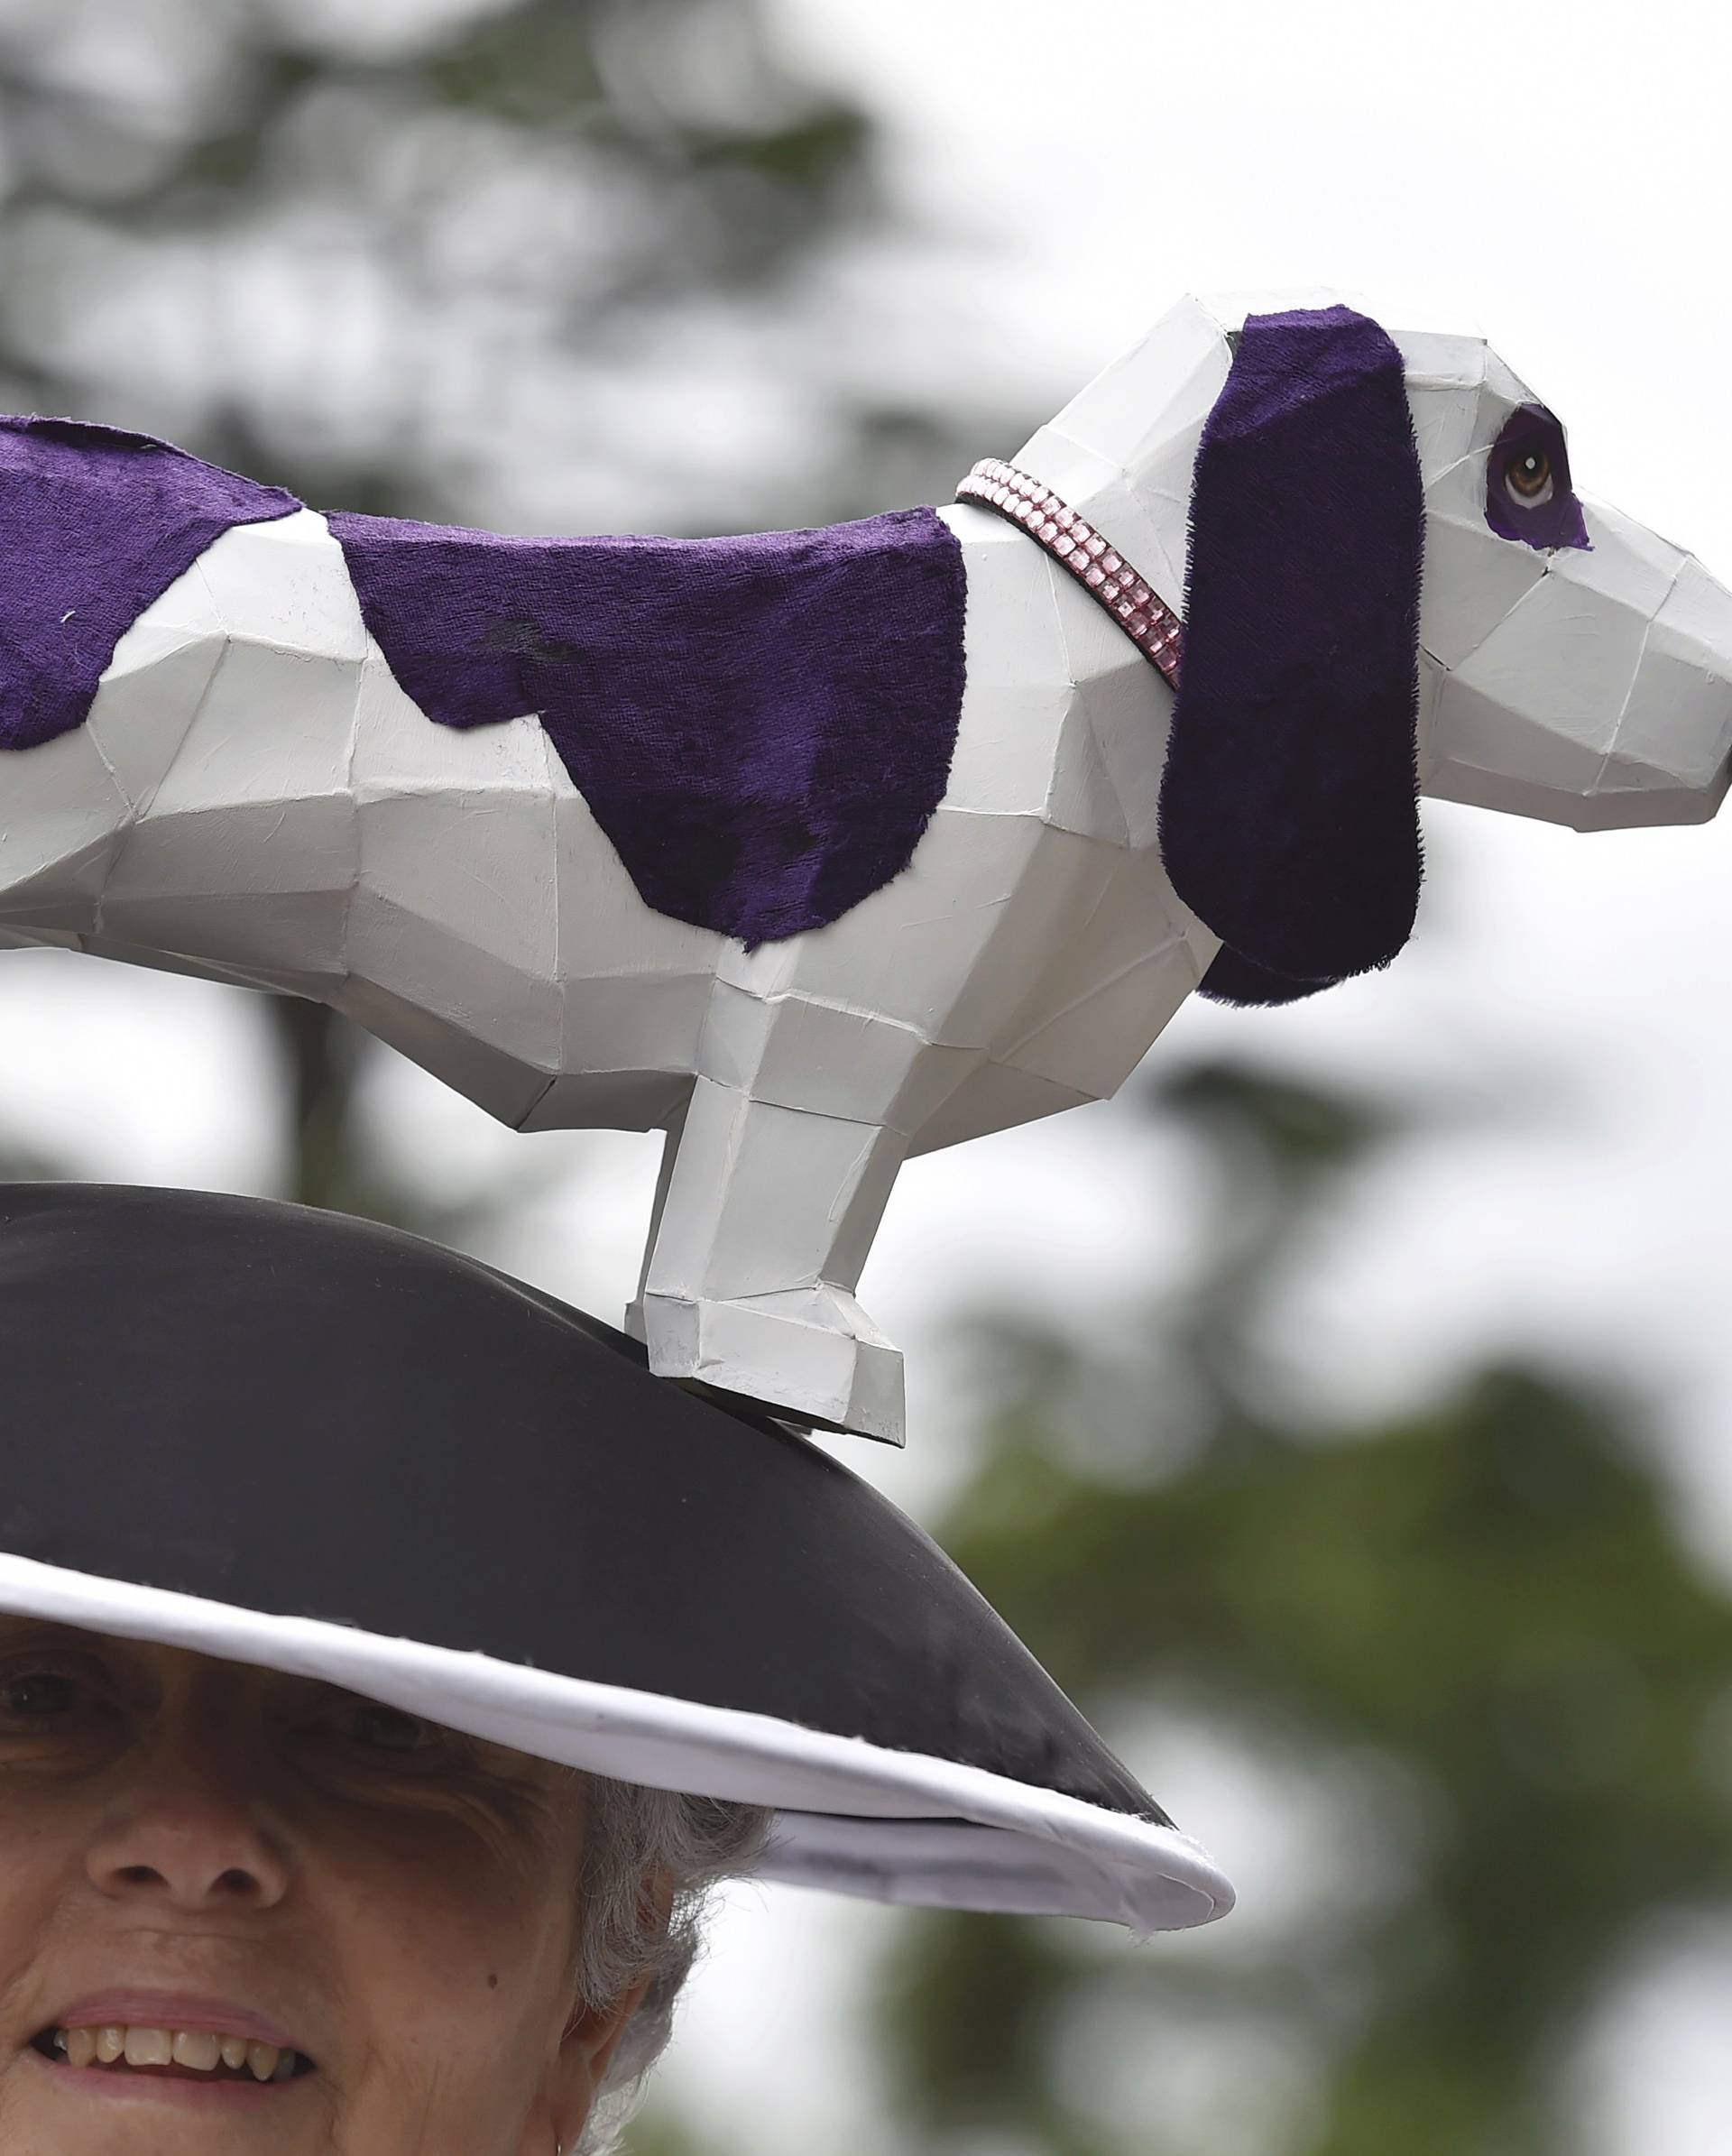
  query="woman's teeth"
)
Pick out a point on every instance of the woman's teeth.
point(202, 2050)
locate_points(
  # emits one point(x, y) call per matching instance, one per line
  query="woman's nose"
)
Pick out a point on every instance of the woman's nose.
point(191, 1837)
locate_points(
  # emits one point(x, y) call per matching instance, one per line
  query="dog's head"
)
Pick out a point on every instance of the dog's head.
point(1391, 585)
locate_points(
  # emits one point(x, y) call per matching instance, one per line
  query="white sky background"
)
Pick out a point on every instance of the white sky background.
point(1558, 175)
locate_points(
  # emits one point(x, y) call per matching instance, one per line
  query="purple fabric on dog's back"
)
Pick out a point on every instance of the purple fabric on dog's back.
point(94, 525)
point(762, 726)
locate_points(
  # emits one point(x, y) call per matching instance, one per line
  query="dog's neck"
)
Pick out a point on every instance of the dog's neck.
point(1122, 452)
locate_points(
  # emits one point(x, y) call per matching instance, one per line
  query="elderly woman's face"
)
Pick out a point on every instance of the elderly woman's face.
point(253, 1874)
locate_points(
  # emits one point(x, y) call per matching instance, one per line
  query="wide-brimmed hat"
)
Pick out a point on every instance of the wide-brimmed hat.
point(309, 1442)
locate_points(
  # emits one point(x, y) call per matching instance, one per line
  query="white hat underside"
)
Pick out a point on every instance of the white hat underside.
point(852, 1816)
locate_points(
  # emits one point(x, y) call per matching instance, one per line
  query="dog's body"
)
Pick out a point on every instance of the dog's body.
point(255, 798)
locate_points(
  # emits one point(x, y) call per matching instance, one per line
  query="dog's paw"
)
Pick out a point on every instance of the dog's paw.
point(810, 1355)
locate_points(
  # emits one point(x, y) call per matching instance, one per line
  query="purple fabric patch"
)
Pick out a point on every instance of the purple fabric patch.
point(1289, 820)
point(1528, 494)
point(94, 525)
point(762, 726)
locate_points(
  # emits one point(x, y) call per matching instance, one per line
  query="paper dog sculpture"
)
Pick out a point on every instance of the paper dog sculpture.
point(823, 848)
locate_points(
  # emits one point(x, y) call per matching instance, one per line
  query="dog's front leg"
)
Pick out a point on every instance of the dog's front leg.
point(764, 1222)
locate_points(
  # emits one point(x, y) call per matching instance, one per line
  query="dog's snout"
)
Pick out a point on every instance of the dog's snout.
point(1671, 754)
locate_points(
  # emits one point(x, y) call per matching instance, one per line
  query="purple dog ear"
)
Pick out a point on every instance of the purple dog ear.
point(1289, 818)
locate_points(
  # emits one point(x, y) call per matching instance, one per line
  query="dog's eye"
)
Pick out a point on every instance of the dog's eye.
point(1528, 494)
point(1529, 478)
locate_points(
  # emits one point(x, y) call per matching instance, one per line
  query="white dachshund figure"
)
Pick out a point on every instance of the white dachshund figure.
point(885, 837)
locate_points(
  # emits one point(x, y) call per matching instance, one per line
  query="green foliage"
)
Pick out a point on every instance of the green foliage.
point(1483, 1607)
point(532, 66)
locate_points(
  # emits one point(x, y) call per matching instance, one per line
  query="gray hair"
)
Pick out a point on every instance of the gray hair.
point(632, 1836)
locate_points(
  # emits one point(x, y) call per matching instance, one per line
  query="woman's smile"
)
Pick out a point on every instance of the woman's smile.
point(158, 2047)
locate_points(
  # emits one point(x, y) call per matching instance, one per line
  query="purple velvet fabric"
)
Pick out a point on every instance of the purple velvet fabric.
point(1532, 443)
point(1289, 820)
point(762, 726)
point(94, 525)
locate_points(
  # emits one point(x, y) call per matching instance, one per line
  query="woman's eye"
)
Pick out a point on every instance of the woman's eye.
point(38, 1696)
point(1529, 478)
point(38, 1703)
point(386, 1729)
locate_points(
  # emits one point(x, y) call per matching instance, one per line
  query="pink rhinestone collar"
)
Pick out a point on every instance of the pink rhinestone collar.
point(1049, 519)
